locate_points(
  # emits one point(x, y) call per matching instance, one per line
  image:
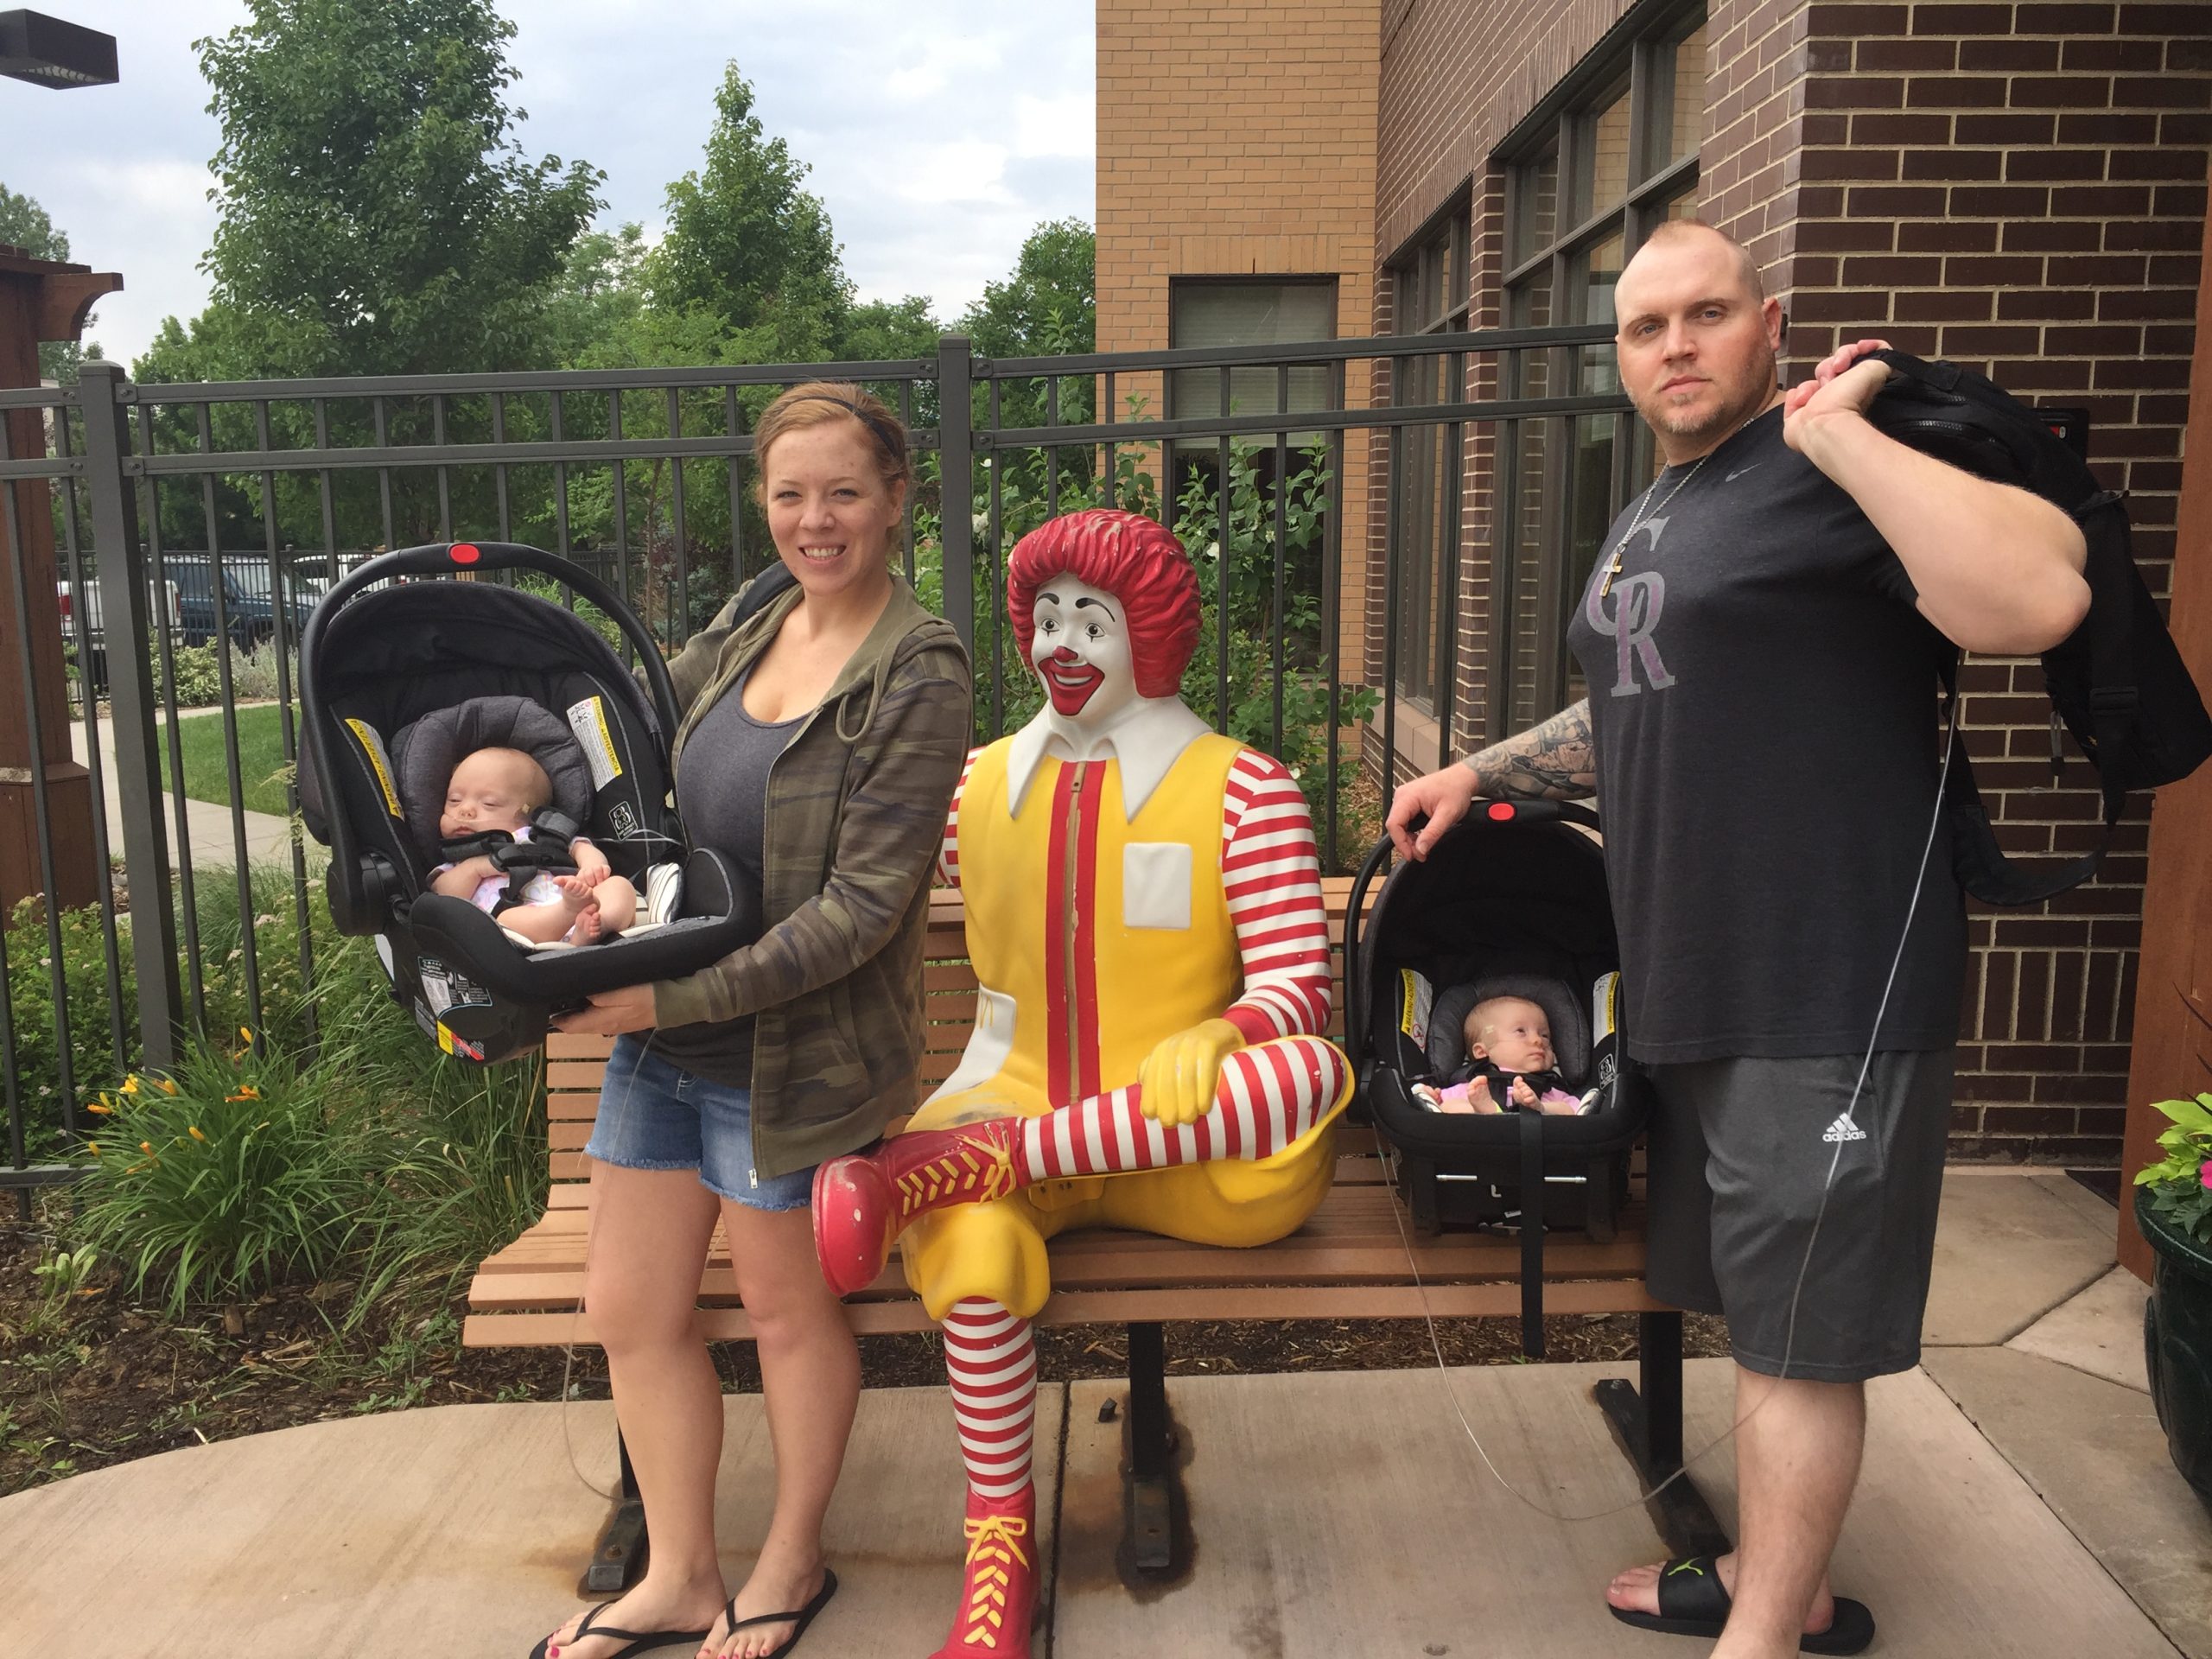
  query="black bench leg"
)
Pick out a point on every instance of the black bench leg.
point(619, 1554)
point(1648, 1422)
point(1148, 1483)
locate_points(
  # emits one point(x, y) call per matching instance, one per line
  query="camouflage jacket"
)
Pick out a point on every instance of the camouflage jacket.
point(856, 810)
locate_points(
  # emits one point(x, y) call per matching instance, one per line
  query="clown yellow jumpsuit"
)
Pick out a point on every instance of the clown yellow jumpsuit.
point(1094, 936)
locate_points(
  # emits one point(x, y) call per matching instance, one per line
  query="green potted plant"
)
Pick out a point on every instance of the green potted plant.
point(2173, 1207)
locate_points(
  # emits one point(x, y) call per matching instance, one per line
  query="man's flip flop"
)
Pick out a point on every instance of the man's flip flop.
point(639, 1641)
point(1693, 1602)
point(799, 1621)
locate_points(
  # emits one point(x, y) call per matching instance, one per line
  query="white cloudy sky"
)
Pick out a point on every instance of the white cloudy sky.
point(940, 131)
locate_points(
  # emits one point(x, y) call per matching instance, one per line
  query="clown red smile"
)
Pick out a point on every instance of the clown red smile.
point(1082, 651)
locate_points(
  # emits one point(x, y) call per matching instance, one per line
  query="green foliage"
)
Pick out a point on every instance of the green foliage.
point(2181, 1182)
point(198, 676)
point(263, 773)
point(229, 1173)
point(1049, 303)
point(394, 228)
point(68, 1274)
point(748, 245)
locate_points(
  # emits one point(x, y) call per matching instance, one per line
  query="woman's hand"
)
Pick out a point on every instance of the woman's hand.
point(610, 1013)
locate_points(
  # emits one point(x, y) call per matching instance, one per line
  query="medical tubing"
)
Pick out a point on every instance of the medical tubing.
point(1790, 1341)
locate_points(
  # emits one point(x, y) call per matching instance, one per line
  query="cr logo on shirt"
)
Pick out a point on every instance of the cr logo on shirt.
point(1633, 619)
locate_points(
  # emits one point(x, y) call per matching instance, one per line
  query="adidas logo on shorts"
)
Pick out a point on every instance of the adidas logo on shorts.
point(1844, 1129)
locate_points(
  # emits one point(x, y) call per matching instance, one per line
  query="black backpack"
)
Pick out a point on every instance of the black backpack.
point(2117, 681)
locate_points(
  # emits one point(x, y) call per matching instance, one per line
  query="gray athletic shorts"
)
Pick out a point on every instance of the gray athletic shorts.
point(1740, 1151)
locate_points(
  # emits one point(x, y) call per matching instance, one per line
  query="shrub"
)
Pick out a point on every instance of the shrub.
point(227, 1174)
point(199, 677)
point(254, 673)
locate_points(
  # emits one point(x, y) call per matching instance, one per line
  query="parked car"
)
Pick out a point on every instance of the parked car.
point(247, 610)
point(95, 637)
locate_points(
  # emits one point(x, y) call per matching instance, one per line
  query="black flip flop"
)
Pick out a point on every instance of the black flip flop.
point(1693, 1602)
point(799, 1621)
point(640, 1641)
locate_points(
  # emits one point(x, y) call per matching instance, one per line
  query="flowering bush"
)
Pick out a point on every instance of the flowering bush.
point(228, 1173)
point(2181, 1183)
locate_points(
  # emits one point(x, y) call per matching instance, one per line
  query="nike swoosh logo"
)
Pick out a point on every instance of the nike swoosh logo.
point(1740, 471)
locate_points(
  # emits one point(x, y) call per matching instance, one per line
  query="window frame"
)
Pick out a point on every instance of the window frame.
point(1450, 230)
point(1640, 48)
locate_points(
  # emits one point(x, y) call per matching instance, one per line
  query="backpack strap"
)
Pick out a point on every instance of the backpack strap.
point(1979, 863)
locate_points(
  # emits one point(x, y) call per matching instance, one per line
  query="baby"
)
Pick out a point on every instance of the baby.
point(499, 788)
point(1509, 1045)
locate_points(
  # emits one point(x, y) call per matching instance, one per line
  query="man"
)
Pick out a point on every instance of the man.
point(1760, 639)
point(1145, 917)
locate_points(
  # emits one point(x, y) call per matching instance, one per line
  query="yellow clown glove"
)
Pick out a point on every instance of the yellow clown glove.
point(1180, 1076)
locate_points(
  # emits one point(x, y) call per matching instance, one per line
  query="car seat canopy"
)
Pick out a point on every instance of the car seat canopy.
point(425, 754)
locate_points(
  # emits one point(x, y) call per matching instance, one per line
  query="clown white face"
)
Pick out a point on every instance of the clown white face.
point(1081, 651)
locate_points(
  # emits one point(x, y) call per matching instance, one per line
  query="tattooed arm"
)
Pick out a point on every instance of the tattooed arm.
point(1555, 761)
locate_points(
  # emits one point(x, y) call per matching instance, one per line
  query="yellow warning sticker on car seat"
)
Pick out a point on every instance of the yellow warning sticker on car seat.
point(379, 763)
point(587, 720)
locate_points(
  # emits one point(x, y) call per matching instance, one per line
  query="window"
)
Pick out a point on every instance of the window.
point(1205, 311)
point(1587, 177)
point(1430, 289)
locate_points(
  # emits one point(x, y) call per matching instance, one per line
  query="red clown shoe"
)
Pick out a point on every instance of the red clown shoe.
point(998, 1592)
point(862, 1203)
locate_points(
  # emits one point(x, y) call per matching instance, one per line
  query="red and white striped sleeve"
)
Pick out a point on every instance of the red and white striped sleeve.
point(948, 856)
point(1271, 870)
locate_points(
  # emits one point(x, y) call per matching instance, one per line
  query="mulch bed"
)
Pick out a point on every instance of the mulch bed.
point(107, 1380)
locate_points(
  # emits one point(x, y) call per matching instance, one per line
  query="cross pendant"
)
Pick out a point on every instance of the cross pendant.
point(1611, 570)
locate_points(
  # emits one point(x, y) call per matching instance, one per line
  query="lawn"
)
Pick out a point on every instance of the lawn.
point(261, 759)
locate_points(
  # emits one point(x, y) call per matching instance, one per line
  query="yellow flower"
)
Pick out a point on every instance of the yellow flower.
point(100, 1108)
point(130, 1085)
point(168, 1088)
point(246, 1091)
point(245, 1034)
point(192, 1129)
point(93, 1146)
point(146, 1145)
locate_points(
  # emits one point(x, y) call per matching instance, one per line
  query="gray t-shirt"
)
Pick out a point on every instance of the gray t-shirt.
point(721, 795)
point(1762, 692)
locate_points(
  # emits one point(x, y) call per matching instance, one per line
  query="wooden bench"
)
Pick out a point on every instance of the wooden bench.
point(1356, 1258)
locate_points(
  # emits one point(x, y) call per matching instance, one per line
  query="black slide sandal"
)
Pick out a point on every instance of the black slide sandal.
point(1692, 1602)
point(798, 1620)
point(640, 1641)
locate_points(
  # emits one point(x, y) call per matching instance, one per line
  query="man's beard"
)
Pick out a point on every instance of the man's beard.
point(1745, 400)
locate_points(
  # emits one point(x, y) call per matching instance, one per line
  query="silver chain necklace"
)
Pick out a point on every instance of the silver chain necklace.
point(1645, 509)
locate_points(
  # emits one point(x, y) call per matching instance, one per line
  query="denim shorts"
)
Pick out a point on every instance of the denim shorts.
point(654, 1115)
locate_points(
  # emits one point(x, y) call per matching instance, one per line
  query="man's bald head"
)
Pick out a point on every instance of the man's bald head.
point(1696, 336)
point(1673, 232)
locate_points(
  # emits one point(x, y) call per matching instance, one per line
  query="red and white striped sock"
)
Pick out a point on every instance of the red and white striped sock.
point(1268, 1098)
point(991, 1360)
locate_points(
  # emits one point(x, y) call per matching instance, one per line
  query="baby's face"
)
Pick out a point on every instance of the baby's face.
point(1512, 1034)
point(490, 789)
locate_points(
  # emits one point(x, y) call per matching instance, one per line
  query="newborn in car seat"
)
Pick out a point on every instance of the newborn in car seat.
point(1510, 1065)
point(499, 790)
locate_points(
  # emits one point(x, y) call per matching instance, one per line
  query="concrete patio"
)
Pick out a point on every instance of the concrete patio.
point(2017, 1501)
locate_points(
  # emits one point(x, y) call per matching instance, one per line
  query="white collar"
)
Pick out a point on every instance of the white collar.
point(1148, 740)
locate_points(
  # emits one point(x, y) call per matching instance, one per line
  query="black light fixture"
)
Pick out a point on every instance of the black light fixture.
point(47, 52)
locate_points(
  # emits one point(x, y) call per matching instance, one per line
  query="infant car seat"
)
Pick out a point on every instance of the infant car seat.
point(1511, 901)
point(400, 677)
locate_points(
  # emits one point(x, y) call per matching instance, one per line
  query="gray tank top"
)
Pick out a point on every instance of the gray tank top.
point(721, 795)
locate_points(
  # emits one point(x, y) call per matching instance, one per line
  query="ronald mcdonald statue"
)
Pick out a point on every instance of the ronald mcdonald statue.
point(1144, 913)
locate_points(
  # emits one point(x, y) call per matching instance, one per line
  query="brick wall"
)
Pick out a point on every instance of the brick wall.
point(2018, 188)
point(1238, 139)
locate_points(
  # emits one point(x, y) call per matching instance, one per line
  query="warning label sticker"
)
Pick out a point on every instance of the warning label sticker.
point(587, 720)
point(379, 762)
point(445, 988)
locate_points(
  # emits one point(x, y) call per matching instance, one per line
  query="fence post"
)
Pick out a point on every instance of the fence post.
point(957, 483)
point(129, 624)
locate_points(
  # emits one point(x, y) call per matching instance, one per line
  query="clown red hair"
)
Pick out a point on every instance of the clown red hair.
point(1131, 556)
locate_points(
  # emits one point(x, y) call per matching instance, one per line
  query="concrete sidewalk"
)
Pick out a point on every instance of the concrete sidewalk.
point(2018, 1502)
point(216, 836)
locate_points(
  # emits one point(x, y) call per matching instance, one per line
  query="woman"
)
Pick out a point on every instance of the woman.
point(819, 747)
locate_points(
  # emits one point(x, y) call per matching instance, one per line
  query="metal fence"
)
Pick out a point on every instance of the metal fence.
point(187, 529)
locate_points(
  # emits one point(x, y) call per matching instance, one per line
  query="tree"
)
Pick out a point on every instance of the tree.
point(392, 227)
point(24, 224)
point(749, 244)
point(1049, 304)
